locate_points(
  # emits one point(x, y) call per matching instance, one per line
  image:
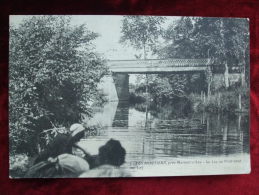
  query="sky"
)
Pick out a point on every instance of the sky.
point(109, 29)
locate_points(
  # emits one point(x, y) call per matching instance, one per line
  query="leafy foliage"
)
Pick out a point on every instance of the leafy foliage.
point(19, 164)
point(225, 40)
point(221, 101)
point(54, 73)
point(141, 32)
point(171, 87)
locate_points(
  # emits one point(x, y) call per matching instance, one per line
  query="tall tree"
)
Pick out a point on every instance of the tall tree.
point(178, 39)
point(225, 40)
point(54, 73)
point(142, 32)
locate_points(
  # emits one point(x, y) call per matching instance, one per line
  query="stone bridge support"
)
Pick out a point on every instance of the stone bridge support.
point(121, 69)
point(121, 81)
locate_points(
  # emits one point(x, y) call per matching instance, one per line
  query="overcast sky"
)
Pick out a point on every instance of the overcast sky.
point(109, 29)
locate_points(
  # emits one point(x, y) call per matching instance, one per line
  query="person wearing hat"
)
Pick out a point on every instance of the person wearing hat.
point(62, 143)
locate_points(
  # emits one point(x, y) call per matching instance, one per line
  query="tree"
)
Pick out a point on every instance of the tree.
point(179, 42)
point(54, 74)
point(142, 32)
point(224, 40)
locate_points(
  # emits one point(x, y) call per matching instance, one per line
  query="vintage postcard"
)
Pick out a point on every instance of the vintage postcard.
point(128, 96)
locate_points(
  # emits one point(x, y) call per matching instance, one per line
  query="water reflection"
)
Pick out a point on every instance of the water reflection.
point(150, 134)
point(121, 118)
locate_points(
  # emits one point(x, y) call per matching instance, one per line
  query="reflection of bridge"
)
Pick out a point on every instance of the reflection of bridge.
point(200, 134)
point(122, 68)
point(145, 135)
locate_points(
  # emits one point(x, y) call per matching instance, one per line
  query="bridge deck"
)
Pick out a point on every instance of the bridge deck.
point(158, 66)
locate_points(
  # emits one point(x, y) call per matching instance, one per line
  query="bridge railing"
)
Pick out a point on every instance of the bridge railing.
point(159, 63)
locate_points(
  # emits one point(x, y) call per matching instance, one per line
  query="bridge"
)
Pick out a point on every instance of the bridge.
point(158, 66)
point(121, 69)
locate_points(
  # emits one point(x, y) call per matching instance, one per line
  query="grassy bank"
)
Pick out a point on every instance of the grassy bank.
point(231, 100)
point(221, 101)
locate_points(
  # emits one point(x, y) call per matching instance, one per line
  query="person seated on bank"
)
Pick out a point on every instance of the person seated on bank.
point(62, 143)
point(106, 164)
point(62, 166)
point(112, 153)
point(108, 161)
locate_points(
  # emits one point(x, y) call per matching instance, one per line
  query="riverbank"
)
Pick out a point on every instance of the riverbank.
point(233, 100)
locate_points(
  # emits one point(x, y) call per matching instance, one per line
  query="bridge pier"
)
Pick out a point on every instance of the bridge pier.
point(121, 81)
point(121, 69)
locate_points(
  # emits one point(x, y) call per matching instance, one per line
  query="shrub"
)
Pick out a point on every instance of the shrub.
point(221, 101)
point(53, 74)
point(19, 164)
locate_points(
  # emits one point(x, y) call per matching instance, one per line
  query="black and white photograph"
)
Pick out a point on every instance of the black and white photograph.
point(128, 96)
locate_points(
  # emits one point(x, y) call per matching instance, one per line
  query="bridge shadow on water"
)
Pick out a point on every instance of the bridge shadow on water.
point(150, 134)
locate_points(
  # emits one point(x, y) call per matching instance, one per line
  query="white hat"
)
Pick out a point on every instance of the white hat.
point(76, 128)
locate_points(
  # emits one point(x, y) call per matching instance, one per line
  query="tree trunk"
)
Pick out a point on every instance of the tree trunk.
point(239, 102)
point(226, 76)
point(145, 57)
point(219, 96)
point(146, 83)
point(144, 51)
point(209, 90)
point(209, 81)
point(243, 75)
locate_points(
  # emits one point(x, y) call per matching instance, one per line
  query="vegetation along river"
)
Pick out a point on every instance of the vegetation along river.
point(152, 135)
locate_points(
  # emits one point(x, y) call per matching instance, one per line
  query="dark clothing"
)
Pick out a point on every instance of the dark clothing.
point(61, 144)
point(112, 153)
point(93, 160)
point(64, 165)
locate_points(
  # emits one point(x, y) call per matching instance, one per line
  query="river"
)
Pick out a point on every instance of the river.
point(162, 136)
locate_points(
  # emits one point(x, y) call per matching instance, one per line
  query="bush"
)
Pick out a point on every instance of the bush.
point(221, 101)
point(136, 98)
point(53, 74)
point(19, 164)
point(229, 102)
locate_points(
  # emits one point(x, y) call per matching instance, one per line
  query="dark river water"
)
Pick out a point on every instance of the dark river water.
point(149, 135)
